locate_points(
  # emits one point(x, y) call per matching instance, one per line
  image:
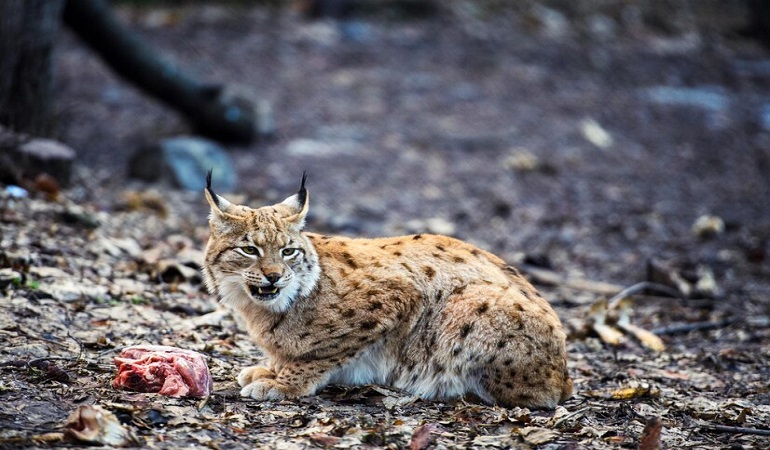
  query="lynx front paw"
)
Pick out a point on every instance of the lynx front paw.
point(254, 373)
point(259, 383)
point(264, 389)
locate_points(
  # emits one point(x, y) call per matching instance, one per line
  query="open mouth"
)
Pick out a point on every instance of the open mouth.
point(264, 292)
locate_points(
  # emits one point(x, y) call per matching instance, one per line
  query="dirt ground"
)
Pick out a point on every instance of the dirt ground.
point(534, 131)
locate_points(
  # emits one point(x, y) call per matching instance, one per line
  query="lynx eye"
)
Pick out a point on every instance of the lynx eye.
point(289, 252)
point(249, 250)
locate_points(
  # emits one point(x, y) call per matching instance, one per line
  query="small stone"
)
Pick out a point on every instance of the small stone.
point(129, 246)
point(190, 257)
point(127, 286)
point(16, 260)
point(76, 215)
point(172, 271)
point(321, 148)
point(48, 272)
point(105, 245)
point(707, 226)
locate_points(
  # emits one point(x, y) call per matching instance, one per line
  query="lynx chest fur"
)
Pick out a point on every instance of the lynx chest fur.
point(428, 314)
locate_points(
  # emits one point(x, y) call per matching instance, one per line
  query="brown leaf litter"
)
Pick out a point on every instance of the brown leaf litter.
point(86, 293)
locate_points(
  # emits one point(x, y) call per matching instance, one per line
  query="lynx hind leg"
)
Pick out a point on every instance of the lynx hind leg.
point(531, 383)
point(529, 369)
point(521, 347)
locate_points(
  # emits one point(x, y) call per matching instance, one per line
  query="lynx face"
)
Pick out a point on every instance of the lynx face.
point(260, 255)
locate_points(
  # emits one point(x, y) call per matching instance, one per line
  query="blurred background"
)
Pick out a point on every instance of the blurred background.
point(586, 137)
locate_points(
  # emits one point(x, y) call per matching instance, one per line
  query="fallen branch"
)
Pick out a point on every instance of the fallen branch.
point(736, 430)
point(549, 277)
point(695, 326)
point(211, 113)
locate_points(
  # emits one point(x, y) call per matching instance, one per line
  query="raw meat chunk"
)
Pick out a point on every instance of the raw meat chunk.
point(166, 370)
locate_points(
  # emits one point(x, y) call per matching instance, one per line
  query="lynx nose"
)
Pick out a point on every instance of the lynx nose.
point(273, 277)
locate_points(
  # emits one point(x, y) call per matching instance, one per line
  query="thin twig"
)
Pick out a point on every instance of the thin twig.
point(35, 361)
point(570, 416)
point(639, 287)
point(549, 277)
point(29, 334)
point(736, 430)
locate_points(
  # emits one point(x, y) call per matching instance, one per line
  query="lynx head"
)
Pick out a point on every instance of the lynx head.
point(259, 256)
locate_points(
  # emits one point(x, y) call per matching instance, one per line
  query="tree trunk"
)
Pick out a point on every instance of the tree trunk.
point(28, 32)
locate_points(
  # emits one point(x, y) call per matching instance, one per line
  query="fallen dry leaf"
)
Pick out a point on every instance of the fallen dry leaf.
point(93, 424)
point(598, 315)
point(595, 133)
point(495, 441)
point(421, 436)
point(651, 435)
point(636, 391)
point(537, 435)
point(323, 439)
point(647, 338)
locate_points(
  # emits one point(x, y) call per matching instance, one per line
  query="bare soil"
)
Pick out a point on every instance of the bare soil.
point(530, 132)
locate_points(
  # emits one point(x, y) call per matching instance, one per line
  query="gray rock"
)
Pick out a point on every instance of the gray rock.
point(28, 158)
point(184, 161)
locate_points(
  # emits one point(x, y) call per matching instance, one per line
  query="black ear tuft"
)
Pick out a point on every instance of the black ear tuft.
point(214, 196)
point(302, 194)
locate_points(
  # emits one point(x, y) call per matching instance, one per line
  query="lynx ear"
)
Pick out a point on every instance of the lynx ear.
point(299, 205)
point(219, 216)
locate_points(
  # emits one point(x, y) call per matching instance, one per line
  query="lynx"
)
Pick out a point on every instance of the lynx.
point(428, 314)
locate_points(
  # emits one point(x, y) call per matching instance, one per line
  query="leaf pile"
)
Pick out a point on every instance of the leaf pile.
point(76, 291)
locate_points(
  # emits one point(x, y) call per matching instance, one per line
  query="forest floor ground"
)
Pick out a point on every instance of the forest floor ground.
point(583, 144)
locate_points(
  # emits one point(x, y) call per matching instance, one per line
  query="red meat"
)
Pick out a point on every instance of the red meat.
point(166, 370)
